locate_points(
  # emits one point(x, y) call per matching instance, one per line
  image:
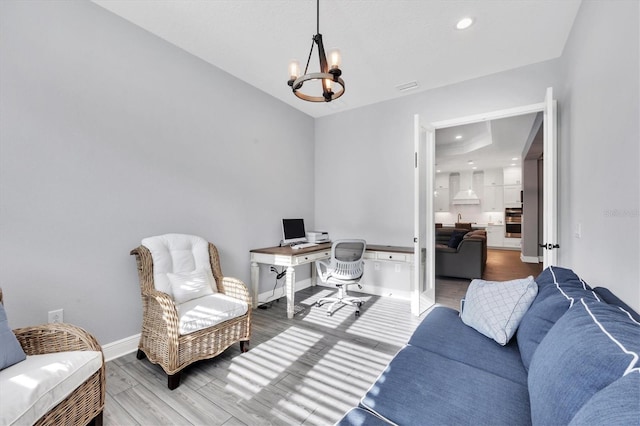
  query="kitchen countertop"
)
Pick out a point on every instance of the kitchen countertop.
point(474, 225)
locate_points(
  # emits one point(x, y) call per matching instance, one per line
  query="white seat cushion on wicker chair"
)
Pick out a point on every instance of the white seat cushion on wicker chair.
point(30, 388)
point(208, 311)
point(176, 253)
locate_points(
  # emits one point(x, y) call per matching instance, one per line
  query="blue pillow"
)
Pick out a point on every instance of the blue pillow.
point(593, 345)
point(10, 350)
point(456, 237)
point(558, 289)
point(617, 404)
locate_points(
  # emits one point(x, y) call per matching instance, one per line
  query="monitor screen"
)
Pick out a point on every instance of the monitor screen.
point(293, 231)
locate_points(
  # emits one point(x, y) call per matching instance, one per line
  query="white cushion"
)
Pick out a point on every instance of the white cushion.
point(29, 389)
point(208, 311)
point(496, 308)
point(191, 285)
point(176, 253)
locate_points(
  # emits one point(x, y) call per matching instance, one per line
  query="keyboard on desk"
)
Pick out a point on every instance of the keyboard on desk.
point(303, 245)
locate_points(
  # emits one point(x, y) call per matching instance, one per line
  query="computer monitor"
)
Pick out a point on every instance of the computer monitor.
point(293, 231)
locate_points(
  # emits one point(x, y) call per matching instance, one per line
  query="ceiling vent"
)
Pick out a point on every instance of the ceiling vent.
point(407, 86)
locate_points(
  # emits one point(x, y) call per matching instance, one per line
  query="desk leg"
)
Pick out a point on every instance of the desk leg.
point(314, 274)
point(291, 290)
point(255, 282)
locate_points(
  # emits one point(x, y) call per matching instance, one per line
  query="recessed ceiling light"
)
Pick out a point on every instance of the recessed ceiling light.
point(464, 23)
point(474, 167)
point(512, 164)
point(458, 136)
point(514, 159)
point(438, 171)
point(470, 162)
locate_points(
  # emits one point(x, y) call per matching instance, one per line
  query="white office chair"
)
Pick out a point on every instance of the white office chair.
point(344, 268)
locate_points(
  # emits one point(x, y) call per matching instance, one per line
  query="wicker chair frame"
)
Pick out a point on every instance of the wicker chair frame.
point(85, 404)
point(160, 340)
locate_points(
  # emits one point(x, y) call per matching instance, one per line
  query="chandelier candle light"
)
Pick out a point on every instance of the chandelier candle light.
point(329, 71)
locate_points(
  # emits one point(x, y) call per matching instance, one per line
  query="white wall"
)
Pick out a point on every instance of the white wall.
point(109, 134)
point(599, 140)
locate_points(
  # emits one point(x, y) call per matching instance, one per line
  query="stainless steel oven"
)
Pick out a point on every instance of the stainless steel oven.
point(513, 222)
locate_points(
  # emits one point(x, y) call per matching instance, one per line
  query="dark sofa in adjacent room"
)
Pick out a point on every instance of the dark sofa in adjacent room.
point(570, 357)
point(460, 253)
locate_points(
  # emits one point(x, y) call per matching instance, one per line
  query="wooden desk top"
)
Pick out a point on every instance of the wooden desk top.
point(289, 251)
point(286, 250)
point(393, 249)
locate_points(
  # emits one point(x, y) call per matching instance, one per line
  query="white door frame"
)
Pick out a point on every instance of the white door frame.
point(550, 172)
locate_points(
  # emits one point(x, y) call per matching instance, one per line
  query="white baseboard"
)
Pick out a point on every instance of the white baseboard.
point(529, 259)
point(120, 347)
point(270, 295)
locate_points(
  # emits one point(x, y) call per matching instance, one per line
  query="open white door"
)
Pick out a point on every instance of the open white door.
point(423, 291)
point(550, 182)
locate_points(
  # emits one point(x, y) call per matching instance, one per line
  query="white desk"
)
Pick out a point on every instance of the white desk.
point(290, 258)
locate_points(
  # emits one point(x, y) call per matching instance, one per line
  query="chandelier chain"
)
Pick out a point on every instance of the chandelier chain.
point(309, 58)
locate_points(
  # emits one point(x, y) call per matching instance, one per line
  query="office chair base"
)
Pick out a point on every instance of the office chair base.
point(336, 301)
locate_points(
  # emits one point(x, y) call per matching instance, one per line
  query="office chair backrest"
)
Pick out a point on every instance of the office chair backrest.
point(346, 259)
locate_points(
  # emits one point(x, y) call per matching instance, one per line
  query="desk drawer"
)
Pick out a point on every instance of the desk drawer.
point(392, 257)
point(301, 259)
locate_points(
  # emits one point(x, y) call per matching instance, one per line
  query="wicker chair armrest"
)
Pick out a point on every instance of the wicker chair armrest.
point(57, 337)
point(236, 288)
point(166, 308)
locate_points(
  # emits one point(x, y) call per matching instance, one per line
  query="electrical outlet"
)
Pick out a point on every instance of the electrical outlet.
point(56, 316)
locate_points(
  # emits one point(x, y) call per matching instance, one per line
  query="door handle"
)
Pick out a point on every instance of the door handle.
point(549, 246)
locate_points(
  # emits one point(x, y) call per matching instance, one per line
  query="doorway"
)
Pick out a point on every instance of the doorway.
point(549, 200)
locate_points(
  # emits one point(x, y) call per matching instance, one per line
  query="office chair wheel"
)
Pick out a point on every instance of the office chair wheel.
point(357, 314)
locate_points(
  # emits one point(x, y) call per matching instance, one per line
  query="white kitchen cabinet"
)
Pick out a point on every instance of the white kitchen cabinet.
point(493, 200)
point(493, 177)
point(495, 236)
point(512, 243)
point(512, 176)
point(441, 200)
point(512, 196)
point(442, 181)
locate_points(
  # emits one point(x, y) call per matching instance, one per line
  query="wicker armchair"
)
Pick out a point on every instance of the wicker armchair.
point(160, 339)
point(85, 404)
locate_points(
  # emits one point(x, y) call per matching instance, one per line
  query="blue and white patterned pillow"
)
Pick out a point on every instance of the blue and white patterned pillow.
point(495, 308)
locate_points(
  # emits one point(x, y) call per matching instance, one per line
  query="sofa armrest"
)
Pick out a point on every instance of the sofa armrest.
point(236, 288)
point(469, 246)
point(57, 337)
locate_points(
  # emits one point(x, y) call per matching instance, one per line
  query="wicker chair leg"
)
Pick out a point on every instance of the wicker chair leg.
point(97, 420)
point(140, 355)
point(174, 380)
point(244, 346)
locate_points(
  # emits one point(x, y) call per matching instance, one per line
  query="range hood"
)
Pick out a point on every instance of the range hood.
point(466, 195)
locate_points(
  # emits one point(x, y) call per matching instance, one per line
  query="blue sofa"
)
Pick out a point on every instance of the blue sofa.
point(574, 360)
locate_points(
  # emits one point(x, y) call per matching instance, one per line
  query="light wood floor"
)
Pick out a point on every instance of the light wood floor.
point(309, 370)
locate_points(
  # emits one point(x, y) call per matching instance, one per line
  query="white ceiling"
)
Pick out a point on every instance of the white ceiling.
point(384, 43)
point(484, 145)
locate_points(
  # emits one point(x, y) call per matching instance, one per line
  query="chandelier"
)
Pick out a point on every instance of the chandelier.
point(329, 71)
